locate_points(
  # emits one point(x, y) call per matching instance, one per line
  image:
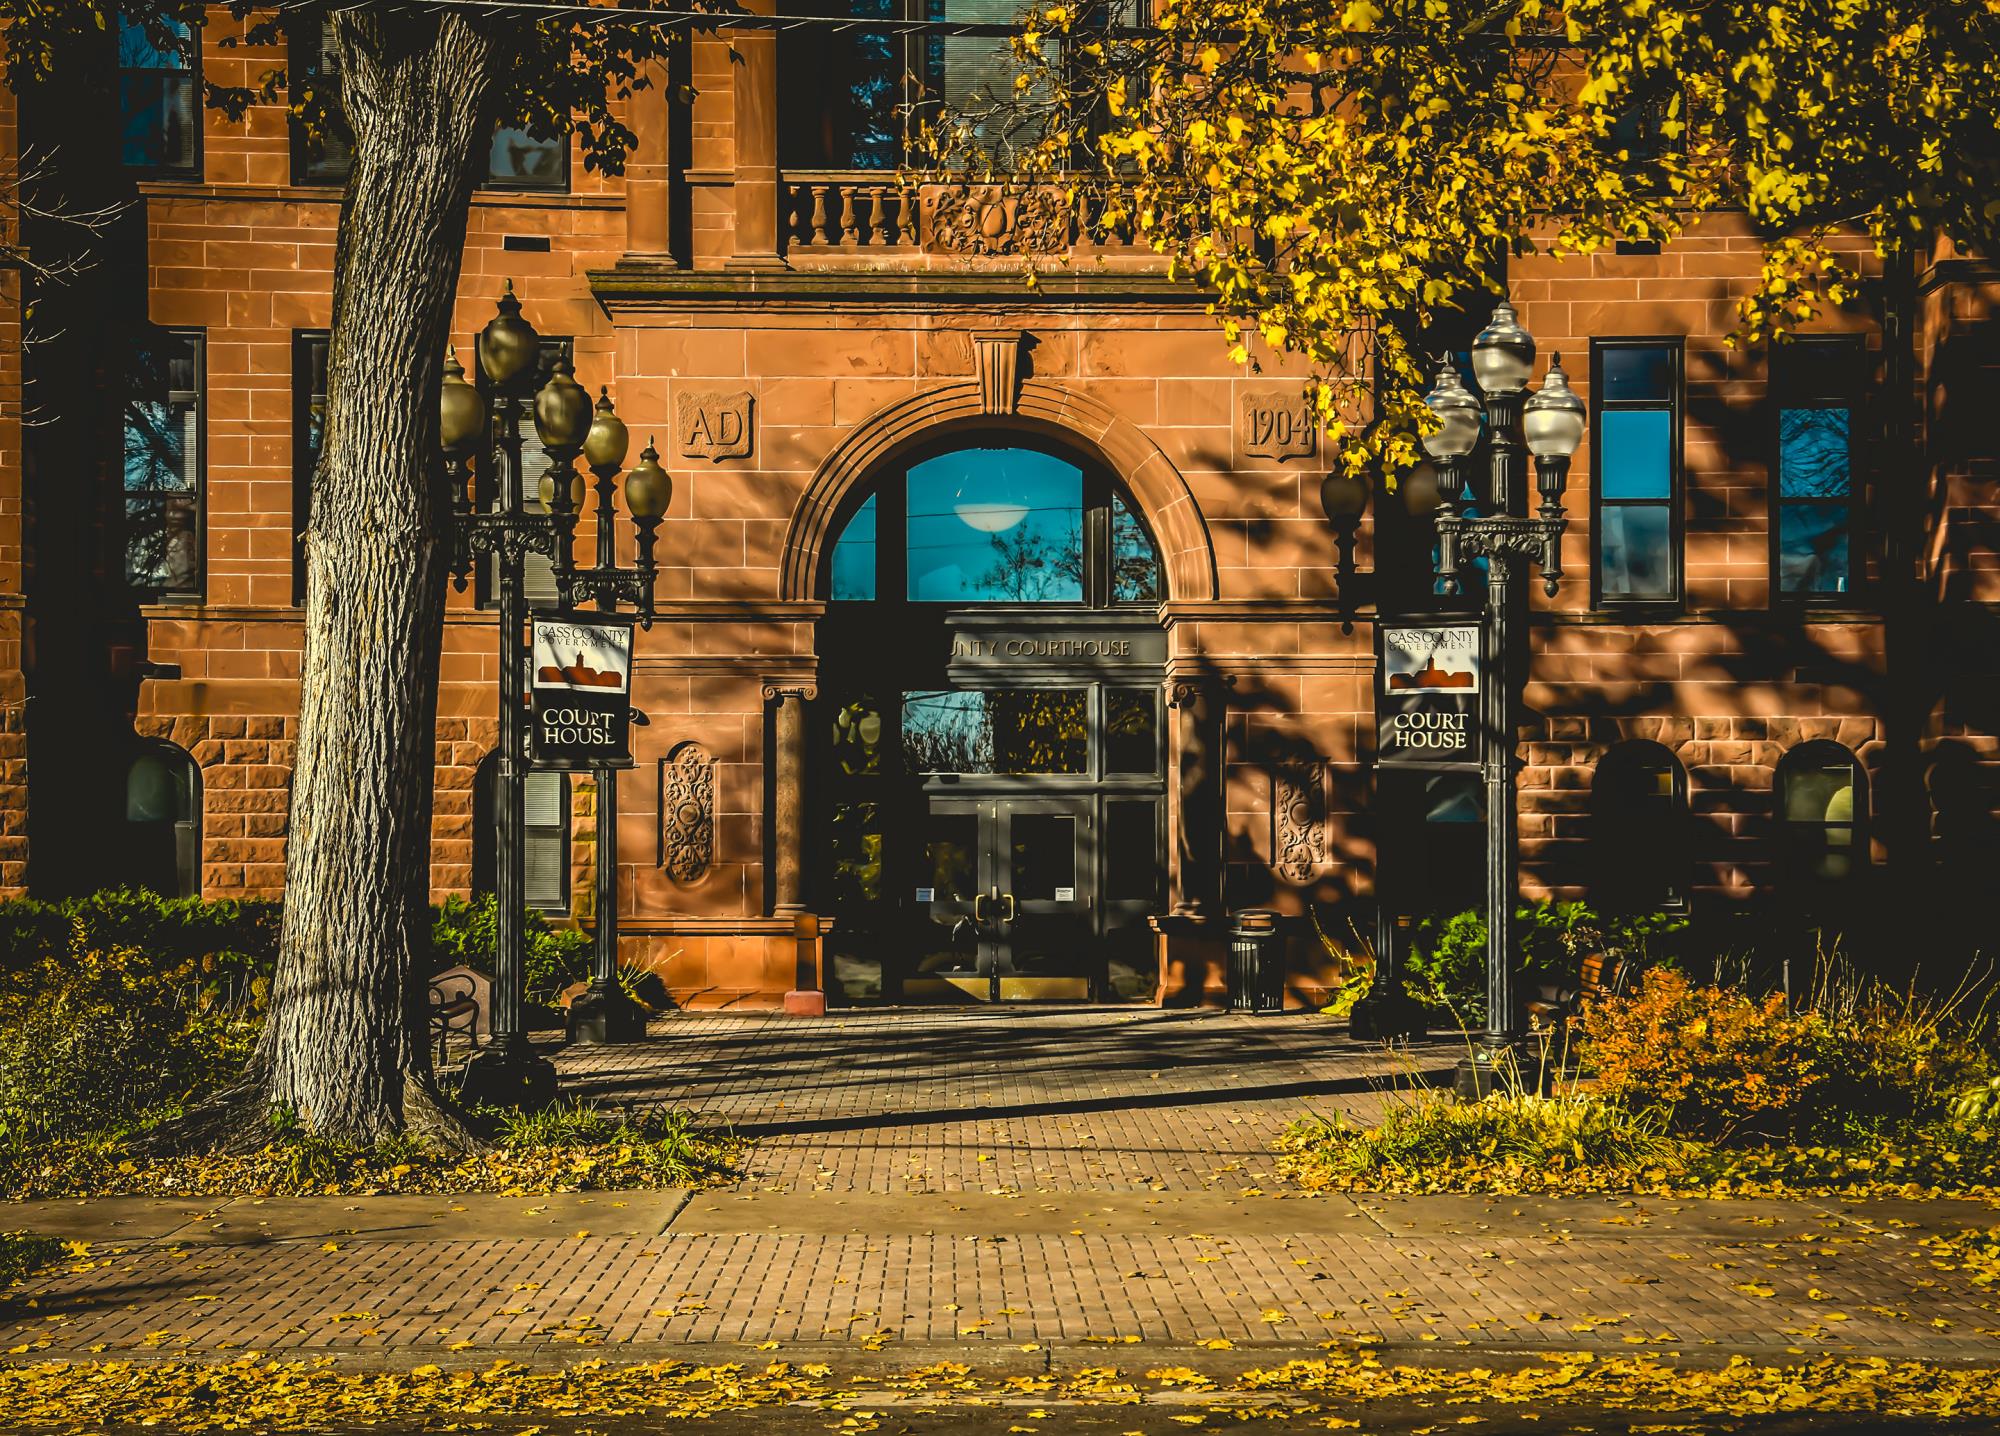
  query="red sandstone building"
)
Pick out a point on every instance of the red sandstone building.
point(1030, 590)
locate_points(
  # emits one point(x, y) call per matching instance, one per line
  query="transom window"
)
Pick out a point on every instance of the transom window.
point(1011, 525)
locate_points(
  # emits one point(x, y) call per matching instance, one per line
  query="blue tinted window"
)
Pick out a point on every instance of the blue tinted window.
point(995, 526)
point(520, 160)
point(1135, 563)
point(852, 574)
point(159, 120)
point(1812, 548)
point(1813, 453)
point(1635, 454)
point(1813, 507)
point(162, 466)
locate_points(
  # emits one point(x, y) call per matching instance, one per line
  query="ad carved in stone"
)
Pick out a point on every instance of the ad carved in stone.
point(1298, 812)
point(713, 425)
point(687, 813)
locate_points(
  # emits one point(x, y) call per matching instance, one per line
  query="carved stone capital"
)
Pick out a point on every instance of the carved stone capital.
point(1183, 691)
point(777, 691)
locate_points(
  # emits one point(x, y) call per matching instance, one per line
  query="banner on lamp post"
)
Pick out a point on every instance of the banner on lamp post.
point(1427, 686)
point(580, 687)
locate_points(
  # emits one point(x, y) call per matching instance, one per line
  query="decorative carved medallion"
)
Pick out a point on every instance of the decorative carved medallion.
point(1298, 818)
point(713, 425)
point(687, 813)
point(1275, 422)
point(993, 219)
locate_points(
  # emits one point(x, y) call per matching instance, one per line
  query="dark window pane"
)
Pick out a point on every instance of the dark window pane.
point(1002, 730)
point(951, 857)
point(162, 466)
point(156, 97)
point(1635, 454)
point(1809, 370)
point(852, 568)
point(857, 737)
point(1635, 547)
point(1131, 730)
point(521, 160)
point(1636, 373)
point(996, 526)
point(1453, 798)
point(855, 826)
point(1043, 847)
point(1135, 563)
point(1813, 454)
point(968, 73)
point(329, 155)
point(545, 852)
point(1131, 850)
point(1819, 793)
point(1812, 548)
point(838, 90)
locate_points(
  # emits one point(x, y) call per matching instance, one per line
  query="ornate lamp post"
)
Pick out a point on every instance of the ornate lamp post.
point(480, 436)
point(605, 1013)
point(1513, 544)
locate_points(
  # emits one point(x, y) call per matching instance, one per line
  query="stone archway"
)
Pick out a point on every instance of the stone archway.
point(1055, 410)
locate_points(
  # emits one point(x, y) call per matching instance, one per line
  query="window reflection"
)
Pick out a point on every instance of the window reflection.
point(1131, 730)
point(999, 730)
point(522, 160)
point(1135, 563)
point(159, 119)
point(853, 566)
point(995, 526)
point(162, 465)
point(838, 103)
point(1818, 801)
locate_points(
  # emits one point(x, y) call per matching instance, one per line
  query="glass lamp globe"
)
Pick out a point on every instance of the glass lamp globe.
point(562, 409)
point(1503, 356)
point(1458, 411)
point(1419, 491)
point(508, 345)
point(605, 445)
point(648, 489)
point(461, 409)
point(1344, 497)
point(1553, 418)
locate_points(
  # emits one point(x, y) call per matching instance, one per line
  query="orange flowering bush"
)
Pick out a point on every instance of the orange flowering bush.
point(1717, 1063)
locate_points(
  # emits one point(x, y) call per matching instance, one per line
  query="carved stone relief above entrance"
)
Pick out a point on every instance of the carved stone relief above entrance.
point(1275, 422)
point(687, 813)
point(709, 424)
point(994, 219)
point(1298, 817)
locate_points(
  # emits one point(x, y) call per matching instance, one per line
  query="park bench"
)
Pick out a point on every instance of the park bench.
point(1599, 976)
point(454, 1005)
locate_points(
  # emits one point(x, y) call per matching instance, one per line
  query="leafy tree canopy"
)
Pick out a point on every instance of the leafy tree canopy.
point(1343, 177)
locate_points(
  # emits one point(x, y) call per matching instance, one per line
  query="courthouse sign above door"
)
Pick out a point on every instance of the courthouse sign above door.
point(1427, 695)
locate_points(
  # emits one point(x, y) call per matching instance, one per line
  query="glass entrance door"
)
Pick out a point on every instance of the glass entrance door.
point(1010, 914)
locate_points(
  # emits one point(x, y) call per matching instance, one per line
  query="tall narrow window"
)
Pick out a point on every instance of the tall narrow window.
point(840, 99)
point(159, 102)
point(1815, 501)
point(163, 465)
point(1822, 805)
point(545, 841)
point(308, 429)
point(1638, 801)
point(163, 822)
point(1635, 389)
point(324, 155)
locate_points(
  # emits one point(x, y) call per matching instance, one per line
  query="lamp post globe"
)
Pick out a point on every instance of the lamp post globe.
point(1503, 356)
point(648, 488)
point(562, 410)
point(1344, 498)
point(1457, 409)
point(605, 444)
point(1419, 491)
point(1552, 419)
point(461, 410)
point(508, 346)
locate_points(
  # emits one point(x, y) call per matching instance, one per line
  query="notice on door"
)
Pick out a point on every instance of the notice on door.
point(1428, 680)
point(581, 691)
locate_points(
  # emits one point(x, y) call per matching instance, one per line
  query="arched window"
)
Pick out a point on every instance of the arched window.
point(1639, 814)
point(1006, 524)
point(544, 838)
point(163, 821)
point(1822, 808)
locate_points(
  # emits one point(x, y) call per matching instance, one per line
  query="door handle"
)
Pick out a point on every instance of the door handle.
point(979, 907)
point(1007, 908)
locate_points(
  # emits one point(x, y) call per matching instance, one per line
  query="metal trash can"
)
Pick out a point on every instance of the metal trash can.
point(1256, 962)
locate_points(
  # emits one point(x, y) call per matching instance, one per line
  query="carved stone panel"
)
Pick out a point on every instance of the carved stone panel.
point(994, 219)
point(1275, 422)
point(709, 424)
point(687, 813)
point(1298, 818)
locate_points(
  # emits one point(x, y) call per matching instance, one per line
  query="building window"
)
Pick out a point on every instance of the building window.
point(159, 102)
point(163, 465)
point(516, 159)
point(1817, 384)
point(1635, 395)
point(309, 348)
point(163, 822)
point(1002, 524)
point(1639, 812)
point(1822, 800)
point(544, 835)
point(325, 157)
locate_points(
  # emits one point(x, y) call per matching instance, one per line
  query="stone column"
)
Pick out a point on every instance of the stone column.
point(754, 94)
point(1200, 704)
point(788, 797)
point(648, 190)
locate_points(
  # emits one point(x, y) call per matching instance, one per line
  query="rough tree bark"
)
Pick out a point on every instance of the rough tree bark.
point(344, 1045)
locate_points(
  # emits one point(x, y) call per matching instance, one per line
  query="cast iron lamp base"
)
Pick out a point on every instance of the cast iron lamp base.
point(603, 1016)
point(1488, 1068)
point(513, 1075)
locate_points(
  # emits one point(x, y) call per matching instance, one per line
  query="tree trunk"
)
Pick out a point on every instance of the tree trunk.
point(345, 1045)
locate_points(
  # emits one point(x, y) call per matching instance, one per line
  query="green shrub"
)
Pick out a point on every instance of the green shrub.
point(1429, 1140)
point(468, 934)
point(1447, 963)
point(220, 950)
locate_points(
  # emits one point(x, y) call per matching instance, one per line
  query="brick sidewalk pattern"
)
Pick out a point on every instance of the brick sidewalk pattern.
point(1008, 1181)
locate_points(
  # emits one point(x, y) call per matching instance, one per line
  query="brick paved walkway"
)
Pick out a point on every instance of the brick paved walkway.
point(1016, 1187)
